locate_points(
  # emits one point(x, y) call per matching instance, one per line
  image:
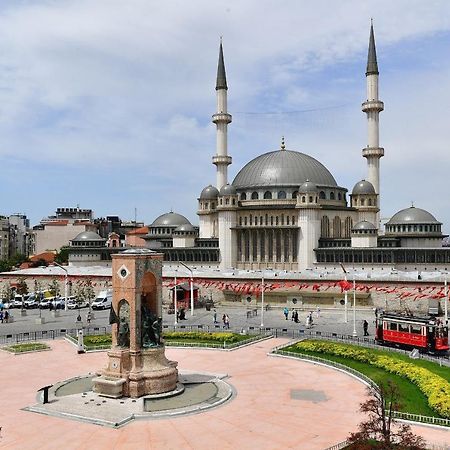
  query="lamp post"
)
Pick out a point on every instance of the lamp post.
point(355, 334)
point(345, 295)
point(175, 306)
point(66, 285)
point(191, 285)
point(262, 300)
point(445, 301)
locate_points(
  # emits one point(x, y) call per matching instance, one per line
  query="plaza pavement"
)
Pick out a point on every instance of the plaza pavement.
point(268, 411)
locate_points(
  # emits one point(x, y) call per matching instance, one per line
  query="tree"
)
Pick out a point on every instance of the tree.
point(22, 288)
point(54, 289)
point(380, 425)
point(62, 257)
point(7, 292)
point(84, 291)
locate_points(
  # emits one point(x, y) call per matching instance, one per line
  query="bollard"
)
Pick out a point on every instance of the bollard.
point(80, 342)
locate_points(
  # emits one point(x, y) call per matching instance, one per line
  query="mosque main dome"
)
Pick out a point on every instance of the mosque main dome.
point(283, 168)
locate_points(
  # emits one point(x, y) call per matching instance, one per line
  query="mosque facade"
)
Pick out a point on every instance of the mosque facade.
point(284, 209)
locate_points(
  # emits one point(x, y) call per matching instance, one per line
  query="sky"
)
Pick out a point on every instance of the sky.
point(107, 104)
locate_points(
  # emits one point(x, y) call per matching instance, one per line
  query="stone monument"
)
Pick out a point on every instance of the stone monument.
point(137, 365)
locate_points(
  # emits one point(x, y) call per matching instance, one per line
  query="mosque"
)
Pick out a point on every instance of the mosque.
point(284, 209)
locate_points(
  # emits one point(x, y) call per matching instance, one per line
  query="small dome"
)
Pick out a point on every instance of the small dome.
point(170, 219)
point(363, 187)
point(228, 189)
point(88, 236)
point(364, 225)
point(184, 228)
point(308, 186)
point(412, 215)
point(209, 193)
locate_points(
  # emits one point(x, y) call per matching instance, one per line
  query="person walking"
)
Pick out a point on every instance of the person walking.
point(88, 317)
point(226, 322)
point(6, 316)
point(296, 317)
point(366, 327)
point(215, 316)
point(318, 311)
point(1, 316)
point(293, 314)
point(286, 312)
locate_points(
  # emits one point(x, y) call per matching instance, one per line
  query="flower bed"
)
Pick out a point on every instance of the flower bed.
point(434, 387)
point(26, 347)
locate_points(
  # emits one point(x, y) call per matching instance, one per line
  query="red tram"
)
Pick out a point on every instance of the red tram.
point(427, 334)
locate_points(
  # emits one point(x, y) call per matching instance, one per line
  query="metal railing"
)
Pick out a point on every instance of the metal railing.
point(338, 446)
point(50, 334)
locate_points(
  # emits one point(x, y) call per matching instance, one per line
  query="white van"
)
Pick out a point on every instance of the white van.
point(103, 300)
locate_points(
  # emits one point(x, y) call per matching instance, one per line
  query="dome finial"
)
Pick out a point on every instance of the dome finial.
point(282, 147)
point(412, 203)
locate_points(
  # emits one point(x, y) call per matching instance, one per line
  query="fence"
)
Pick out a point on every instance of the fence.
point(50, 334)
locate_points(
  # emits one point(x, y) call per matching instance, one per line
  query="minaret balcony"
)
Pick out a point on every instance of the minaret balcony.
point(221, 160)
point(373, 151)
point(221, 118)
point(372, 105)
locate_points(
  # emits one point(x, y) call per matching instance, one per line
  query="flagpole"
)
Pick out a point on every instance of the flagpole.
point(355, 334)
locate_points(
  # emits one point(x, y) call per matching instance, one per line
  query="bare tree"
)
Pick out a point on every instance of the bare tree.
point(380, 425)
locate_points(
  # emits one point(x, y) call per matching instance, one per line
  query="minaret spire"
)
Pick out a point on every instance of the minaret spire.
point(372, 65)
point(221, 160)
point(372, 107)
point(221, 82)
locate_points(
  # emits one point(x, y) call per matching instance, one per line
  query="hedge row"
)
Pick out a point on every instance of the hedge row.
point(434, 387)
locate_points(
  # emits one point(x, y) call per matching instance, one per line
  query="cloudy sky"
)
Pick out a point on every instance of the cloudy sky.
point(107, 103)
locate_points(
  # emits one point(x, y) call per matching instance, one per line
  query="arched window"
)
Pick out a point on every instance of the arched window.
point(294, 194)
point(255, 196)
point(245, 220)
point(339, 196)
point(267, 195)
point(234, 201)
point(240, 221)
point(337, 227)
point(310, 199)
point(251, 219)
point(325, 227)
point(369, 202)
point(281, 195)
point(303, 199)
point(322, 195)
point(287, 220)
point(243, 196)
point(332, 196)
point(348, 227)
point(362, 202)
point(227, 201)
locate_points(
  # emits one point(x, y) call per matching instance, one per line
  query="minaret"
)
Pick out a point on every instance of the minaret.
point(221, 119)
point(372, 107)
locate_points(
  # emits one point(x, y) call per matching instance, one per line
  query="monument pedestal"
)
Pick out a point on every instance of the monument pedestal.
point(145, 372)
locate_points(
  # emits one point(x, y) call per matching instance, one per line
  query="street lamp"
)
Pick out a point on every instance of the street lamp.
point(175, 306)
point(355, 334)
point(66, 285)
point(345, 295)
point(191, 286)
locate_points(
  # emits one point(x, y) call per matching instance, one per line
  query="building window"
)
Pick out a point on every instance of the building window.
point(339, 196)
point(267, 195)
point(245, 220)
point(294, 194)
point(303, 199)
point(255, 196)
point(243, 196)
point(332, 196)
point(322, 195)
point(362, 201)
point(310, 199)
point(281, 195)
point(227, 201)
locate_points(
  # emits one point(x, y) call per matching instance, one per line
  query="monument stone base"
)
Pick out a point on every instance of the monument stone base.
point(145, 372)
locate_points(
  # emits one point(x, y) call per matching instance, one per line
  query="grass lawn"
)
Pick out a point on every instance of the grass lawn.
point(26, 347)
point(214, 339)
point(413, 400)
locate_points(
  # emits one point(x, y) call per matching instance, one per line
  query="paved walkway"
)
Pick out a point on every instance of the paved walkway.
point(280, 404)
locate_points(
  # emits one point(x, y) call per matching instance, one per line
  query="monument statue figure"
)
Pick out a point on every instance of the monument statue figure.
point(123, 335)
point(151, 329)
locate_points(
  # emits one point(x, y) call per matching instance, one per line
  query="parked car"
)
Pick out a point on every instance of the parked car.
point(31, 302)
point(17, 302)
point(103, 300)
point(45, 303)
point(58, 303)
point(74, 303)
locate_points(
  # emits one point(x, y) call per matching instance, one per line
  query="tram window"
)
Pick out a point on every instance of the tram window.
point(416, 329)
point(393, 326)
point(404, 328)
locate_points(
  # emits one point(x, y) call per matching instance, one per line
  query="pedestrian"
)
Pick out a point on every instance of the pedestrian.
point(223, 320)
point(1, 316)
point(6, 316)
point(307, 323)
point(365, 327)
point(293, 314)
point(310, 318)
point(318, 311)
point(296, 317)
point(215, 316)
point(88, 317)
point(226, 322)
point(286, 312)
